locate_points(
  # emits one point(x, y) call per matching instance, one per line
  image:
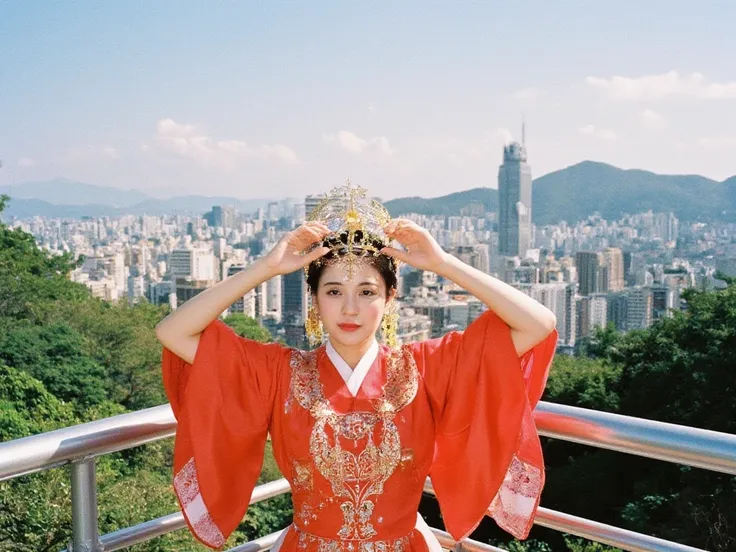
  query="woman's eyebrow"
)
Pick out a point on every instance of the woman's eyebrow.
point(366, 283)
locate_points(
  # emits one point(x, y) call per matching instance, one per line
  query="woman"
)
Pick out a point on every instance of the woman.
point(356, 426)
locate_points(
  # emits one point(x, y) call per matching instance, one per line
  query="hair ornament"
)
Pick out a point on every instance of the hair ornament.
point(356, 223)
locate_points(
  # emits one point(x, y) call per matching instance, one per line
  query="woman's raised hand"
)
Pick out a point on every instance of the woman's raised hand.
point(289, 254)
point(423, 251)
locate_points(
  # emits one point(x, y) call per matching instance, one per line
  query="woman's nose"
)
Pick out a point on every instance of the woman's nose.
point(350, 305)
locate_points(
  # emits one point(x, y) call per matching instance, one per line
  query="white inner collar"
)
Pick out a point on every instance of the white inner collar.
point(353, 378)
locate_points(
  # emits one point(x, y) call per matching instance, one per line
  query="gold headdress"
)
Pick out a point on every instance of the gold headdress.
point(356, 223)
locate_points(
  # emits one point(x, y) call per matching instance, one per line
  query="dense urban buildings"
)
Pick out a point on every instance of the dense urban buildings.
point(628, 272)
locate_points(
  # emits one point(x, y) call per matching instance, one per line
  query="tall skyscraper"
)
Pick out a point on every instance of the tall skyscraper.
point(514, 201)
point(613, 259)
point(588, 269)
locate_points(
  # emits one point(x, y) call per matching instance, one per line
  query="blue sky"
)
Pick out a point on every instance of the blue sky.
point(273, 99)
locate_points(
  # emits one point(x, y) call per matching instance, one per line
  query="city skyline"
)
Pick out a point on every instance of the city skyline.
point(404, 100)
point(515, 200)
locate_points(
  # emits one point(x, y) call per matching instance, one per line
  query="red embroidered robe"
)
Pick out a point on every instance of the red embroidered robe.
point(456, 408)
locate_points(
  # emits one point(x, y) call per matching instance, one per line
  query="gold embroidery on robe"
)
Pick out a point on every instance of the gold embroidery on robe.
point(330, 545)
point(355, 477)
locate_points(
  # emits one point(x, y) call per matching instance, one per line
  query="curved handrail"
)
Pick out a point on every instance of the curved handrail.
point(680, 444)
point(55, 448)
point(700, 448)
point(674, 443)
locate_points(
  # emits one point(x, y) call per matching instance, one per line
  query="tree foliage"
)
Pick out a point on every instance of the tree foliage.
point(67, 357)
point(681, 371)
point(245, 326)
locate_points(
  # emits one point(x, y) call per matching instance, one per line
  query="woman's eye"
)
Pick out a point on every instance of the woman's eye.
point(332, 292)
point(368, 292)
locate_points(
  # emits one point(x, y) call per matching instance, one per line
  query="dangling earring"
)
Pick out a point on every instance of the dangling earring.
point(313, 327)
point(389, 325)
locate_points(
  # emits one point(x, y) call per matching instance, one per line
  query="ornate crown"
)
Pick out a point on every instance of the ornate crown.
point(356, 223)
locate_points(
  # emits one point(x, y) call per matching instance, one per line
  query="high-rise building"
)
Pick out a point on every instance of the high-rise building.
point(186, 288)
point(273, 297)
point(617, 309)
point(639, 313)
point(673, 227)
point(514, 201)
point(189, 262)
point(627, 266)
point(136, 288)
point(310, 203)
point(294, 302)
point(223, 216)
point(115, 266)
point(613, 260)
point(591, 313)
point(242, 305)
point(588, 266)
point(663, 301)
point(583, 306)
point(476, 256)
point(598, 311)
point(181, 263)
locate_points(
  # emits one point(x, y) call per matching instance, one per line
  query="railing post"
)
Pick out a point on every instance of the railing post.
point(85, 536)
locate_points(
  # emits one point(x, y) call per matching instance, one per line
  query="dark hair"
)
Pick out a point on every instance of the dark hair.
point(385, 265)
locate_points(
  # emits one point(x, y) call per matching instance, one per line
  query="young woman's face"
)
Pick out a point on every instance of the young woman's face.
point(351, 308)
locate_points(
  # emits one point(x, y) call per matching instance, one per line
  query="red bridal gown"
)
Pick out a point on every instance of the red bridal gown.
point(457, 408)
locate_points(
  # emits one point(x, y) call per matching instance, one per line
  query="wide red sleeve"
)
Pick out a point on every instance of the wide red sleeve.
point(222, 403)
point(488, 459)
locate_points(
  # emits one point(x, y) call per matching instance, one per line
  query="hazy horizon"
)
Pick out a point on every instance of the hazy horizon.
point(404, 99)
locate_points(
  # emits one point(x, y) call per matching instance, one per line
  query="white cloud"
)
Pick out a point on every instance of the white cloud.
point(355, 144)
point(373, 108)
point(84, 154)
point(27, 162)
point(656, 87)
point(601, 133)
point(717, 142)
point(652, 119)
point(183, 140)
point(526, 94)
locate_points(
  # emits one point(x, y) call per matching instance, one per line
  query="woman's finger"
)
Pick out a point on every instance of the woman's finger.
point(316, 254)
point(317, 224)
point(305, 238)
point(395, 253)
point(311, 233)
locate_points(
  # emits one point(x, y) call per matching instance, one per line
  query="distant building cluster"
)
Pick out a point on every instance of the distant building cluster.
point(590, 273)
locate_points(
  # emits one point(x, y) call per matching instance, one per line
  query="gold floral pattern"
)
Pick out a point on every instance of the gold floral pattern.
point(301, 477)
point(307, 540)
point(354, 477)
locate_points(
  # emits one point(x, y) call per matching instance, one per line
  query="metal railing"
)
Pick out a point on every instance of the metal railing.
point(79, 445)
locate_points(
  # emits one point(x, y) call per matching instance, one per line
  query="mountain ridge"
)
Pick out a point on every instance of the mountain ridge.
point(572, 193)
point(57, 192)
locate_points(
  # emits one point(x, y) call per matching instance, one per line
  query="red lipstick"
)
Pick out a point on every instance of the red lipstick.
point(346, 327)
